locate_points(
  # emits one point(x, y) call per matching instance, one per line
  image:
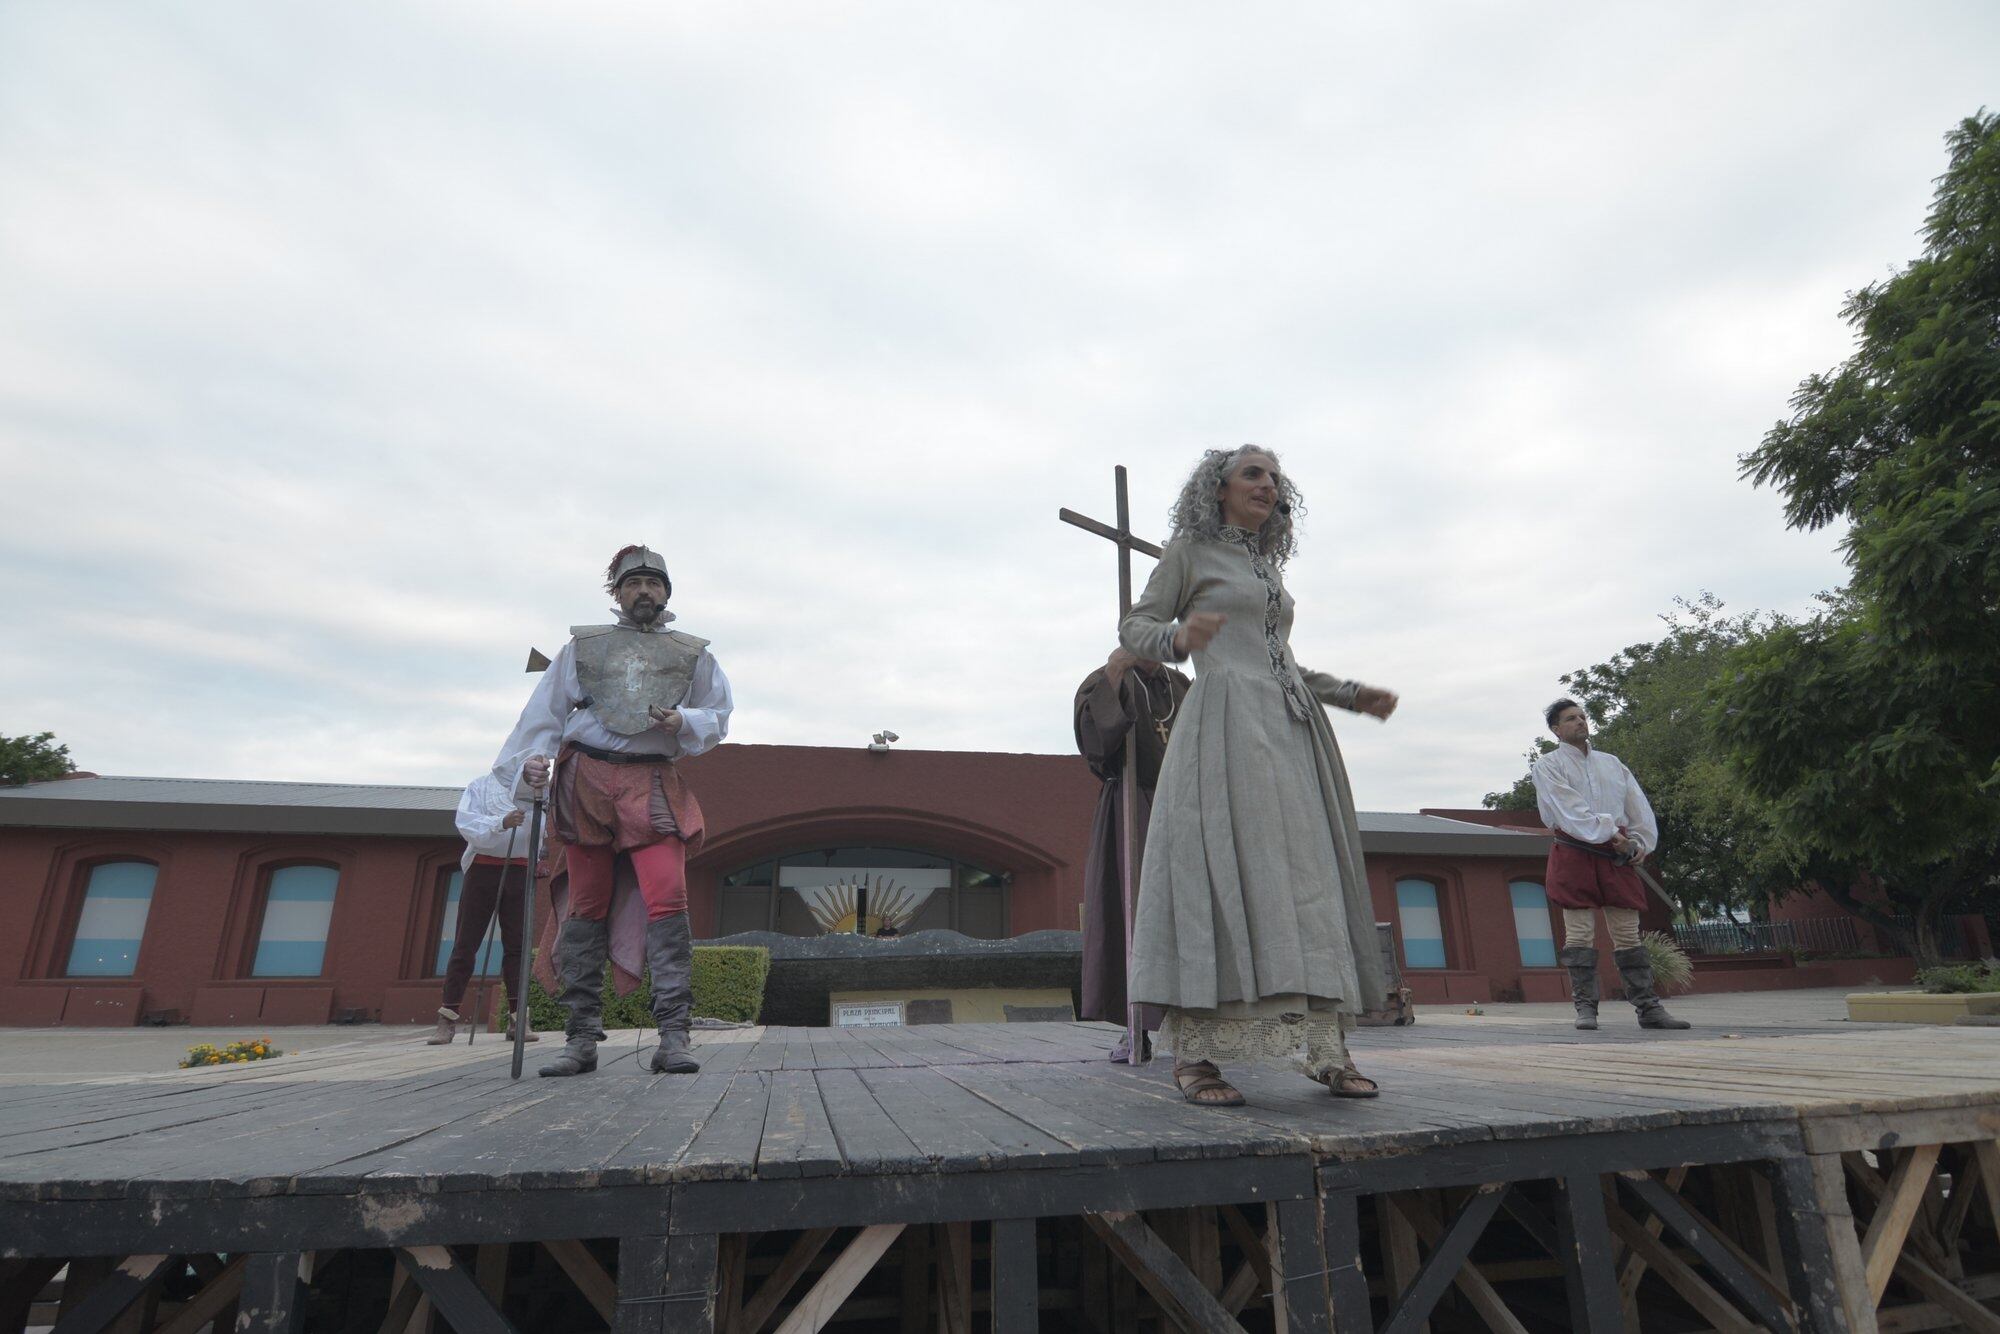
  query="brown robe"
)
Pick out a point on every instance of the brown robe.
point(1103, 716)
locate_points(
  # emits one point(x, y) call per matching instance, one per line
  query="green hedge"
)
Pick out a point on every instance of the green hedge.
point(728, 984)
point(1959, 978)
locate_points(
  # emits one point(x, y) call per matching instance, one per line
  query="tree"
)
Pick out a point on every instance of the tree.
point(1648, 705)
point(1872, 730)
point(32, 759)
point(1521, 796)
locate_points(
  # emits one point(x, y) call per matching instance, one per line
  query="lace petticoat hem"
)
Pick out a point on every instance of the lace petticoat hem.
point(1313, 1044)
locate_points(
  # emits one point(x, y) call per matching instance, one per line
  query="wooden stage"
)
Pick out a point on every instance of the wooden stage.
point(1516, 1175)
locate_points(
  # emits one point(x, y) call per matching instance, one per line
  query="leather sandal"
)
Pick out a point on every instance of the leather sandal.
point(1348, 1082)
point(1198, 1078)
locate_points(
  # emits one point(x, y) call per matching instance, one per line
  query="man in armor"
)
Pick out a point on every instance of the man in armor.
point(616, 707)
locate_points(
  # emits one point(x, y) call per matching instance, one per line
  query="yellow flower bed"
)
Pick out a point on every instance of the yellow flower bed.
point(236, 1053)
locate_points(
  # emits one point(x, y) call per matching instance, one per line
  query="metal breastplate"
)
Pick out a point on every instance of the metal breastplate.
point(627, 672)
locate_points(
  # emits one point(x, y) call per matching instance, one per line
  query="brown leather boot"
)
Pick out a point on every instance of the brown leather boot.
point(447, 1029)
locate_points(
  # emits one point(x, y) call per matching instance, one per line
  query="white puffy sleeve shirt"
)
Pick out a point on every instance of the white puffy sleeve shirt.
point(481, 808)
point(555, 714)
point(1590, 796)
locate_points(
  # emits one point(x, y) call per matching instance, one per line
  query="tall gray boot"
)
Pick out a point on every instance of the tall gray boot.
point(1581, 960)
point(1637, 970)
point(581, 950)
point(670, 960)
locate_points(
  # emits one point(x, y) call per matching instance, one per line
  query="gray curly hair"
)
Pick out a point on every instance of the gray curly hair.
point(1198, 510)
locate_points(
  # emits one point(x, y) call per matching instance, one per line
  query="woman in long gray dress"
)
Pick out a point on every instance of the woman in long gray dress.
point(1254, 927)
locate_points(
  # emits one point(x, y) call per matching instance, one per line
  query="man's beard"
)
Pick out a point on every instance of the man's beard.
point(645, 611)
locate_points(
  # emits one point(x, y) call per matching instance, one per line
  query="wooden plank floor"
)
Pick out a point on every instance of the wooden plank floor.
point(775, 1104)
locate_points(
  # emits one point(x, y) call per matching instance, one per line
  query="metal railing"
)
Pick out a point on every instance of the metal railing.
point(1808, 935)
point(1805, 935)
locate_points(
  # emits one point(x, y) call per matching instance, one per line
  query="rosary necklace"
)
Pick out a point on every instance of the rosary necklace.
point(1160, 724)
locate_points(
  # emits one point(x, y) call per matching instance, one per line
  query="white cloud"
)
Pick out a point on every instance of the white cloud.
point(341, 347)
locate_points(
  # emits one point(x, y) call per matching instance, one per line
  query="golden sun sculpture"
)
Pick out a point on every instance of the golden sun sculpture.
point(889, 904)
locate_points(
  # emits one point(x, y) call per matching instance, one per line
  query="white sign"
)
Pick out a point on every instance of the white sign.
point(868, 1014)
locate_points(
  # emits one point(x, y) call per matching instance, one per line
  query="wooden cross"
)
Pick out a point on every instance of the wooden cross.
point(1135, 1030)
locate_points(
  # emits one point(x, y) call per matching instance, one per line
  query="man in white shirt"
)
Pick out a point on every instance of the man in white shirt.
point(617, 707)
point(1603, 827)
point(494, 873)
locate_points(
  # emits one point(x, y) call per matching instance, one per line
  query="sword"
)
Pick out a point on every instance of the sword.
point(527, 929)
point(1620, 859)
point(486, 945)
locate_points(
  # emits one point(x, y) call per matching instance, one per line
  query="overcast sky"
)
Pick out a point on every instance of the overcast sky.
point(340, 346)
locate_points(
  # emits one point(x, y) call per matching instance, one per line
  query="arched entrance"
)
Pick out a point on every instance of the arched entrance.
point(865, 890)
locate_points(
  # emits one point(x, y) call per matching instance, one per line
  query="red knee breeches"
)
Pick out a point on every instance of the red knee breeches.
point(661, 868)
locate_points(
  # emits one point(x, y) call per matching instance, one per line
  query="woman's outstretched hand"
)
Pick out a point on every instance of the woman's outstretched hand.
point(1375, 701)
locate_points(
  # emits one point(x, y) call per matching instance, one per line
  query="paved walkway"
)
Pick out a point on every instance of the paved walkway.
point(29, 1055)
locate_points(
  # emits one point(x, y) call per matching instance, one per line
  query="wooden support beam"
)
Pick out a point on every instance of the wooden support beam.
point(202, 1308)
point(1161, 1273)
point(1446, 1259)
point(954, 1276)
point(691, 1266)
point(451, 1290)
point(1584, 1238)
point(1477, 1288)
point(1255, 1245)
point(798, 1258)
point(731, 1263)
point(273, 1300)
point(1709, 1304)
point(598, 1288)
point(1299, 1262)
point(1346, 1281)
point(1986, 1158)
point(1916, 1316)
point(642, 1284)
point(112, 1295)
point(666, 1284)
point(404, 1298)
point(1634, 1270)
point(1770, 1251)
point(1241, 1287)
point(816, 1309)
point(1822, 1251)
point(916, 1282)
point(1016, 1298)
point(1400, 1257)
point(1891, 1224)
point(1765, 1278)
point(1962, 1306)
point(21, 1284)
point(80, 1278)
point(1694, 1231)
point(489, 1270)
point(1964, 1194)
point(1204, 1241)
point(1876, 1187)
point(1540, 1229)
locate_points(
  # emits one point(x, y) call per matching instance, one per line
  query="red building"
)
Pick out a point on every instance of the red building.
point(217, 902)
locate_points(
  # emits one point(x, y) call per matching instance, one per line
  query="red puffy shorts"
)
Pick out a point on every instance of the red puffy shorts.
point(1577, 879)
point(642, 810)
